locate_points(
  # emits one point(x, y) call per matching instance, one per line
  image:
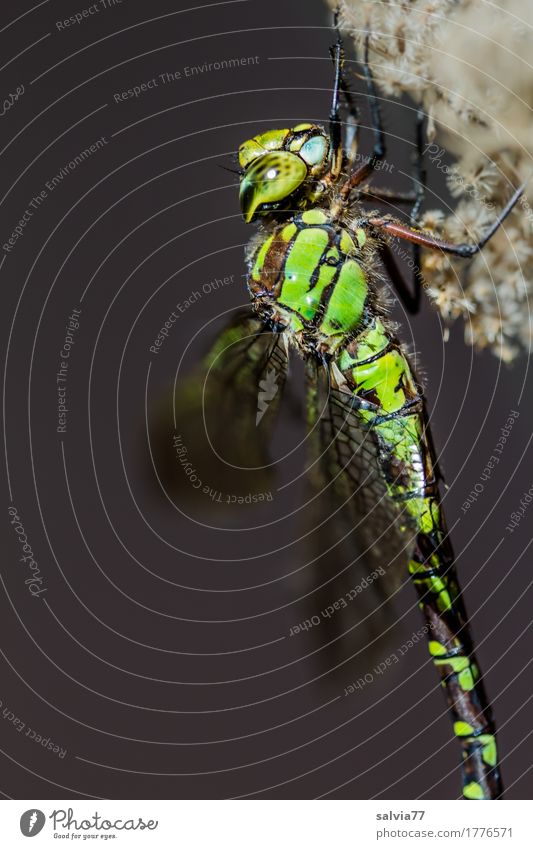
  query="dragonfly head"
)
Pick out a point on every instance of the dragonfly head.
point(281, 169)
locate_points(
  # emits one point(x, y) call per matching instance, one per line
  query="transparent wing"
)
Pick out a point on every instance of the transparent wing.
point(358, 549)
point(216, 428)
point(351, 461)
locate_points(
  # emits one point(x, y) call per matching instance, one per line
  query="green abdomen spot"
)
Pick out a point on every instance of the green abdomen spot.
point(388, 378)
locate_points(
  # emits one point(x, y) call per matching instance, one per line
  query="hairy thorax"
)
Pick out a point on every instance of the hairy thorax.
point(309, 276)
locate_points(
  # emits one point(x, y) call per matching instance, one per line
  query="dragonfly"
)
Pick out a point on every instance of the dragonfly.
point(315, 270)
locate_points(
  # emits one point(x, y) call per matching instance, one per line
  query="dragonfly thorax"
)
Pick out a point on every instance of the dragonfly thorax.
point(307, 275)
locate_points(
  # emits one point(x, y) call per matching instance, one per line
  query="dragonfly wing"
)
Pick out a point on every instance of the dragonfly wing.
point(360, 549)
point(352, 462)
point(212, 434)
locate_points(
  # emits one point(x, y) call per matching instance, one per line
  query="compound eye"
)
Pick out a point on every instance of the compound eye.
point(314, 150)
point(270, 179)
point(278, 174)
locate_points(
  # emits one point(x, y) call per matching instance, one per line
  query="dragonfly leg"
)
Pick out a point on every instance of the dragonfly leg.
point(419, 178)
point(352, 130)
point(420, 175)
point(465, 250)
point(416, 197)
point(388, 195)
point(340, 86)
point(379, 150)
point(410, 300)
point(378, 153)
point(335, 132)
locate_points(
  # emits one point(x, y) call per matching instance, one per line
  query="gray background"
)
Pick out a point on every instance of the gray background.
point(159, 656)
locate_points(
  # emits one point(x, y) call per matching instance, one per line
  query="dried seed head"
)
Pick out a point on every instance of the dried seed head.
point(468, 64)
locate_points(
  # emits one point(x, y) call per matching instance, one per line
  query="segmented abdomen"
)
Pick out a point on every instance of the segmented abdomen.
point(390, 406)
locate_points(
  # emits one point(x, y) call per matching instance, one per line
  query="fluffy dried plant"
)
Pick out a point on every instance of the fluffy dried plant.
point(466, 62)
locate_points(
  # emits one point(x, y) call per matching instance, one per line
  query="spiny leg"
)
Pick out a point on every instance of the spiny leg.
point(411, 301)
point(420, 189)
point(465, 250)
point(414, 198)
point(420, 175)
point(388, 195)
point(352, 132)
point(379, 149)
point(335, 133)
point(351, 139)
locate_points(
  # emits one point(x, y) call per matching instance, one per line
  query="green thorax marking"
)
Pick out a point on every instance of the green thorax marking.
point(311, 268)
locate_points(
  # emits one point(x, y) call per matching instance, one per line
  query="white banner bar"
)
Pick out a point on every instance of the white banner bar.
point(267, 824)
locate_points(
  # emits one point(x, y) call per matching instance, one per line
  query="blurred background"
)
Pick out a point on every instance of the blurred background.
point(157, 655)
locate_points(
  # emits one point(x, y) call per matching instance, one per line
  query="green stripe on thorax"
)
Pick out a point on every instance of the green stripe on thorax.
point(310, 266)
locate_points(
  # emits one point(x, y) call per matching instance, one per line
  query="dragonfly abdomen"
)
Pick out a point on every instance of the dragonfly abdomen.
point(379, 376)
